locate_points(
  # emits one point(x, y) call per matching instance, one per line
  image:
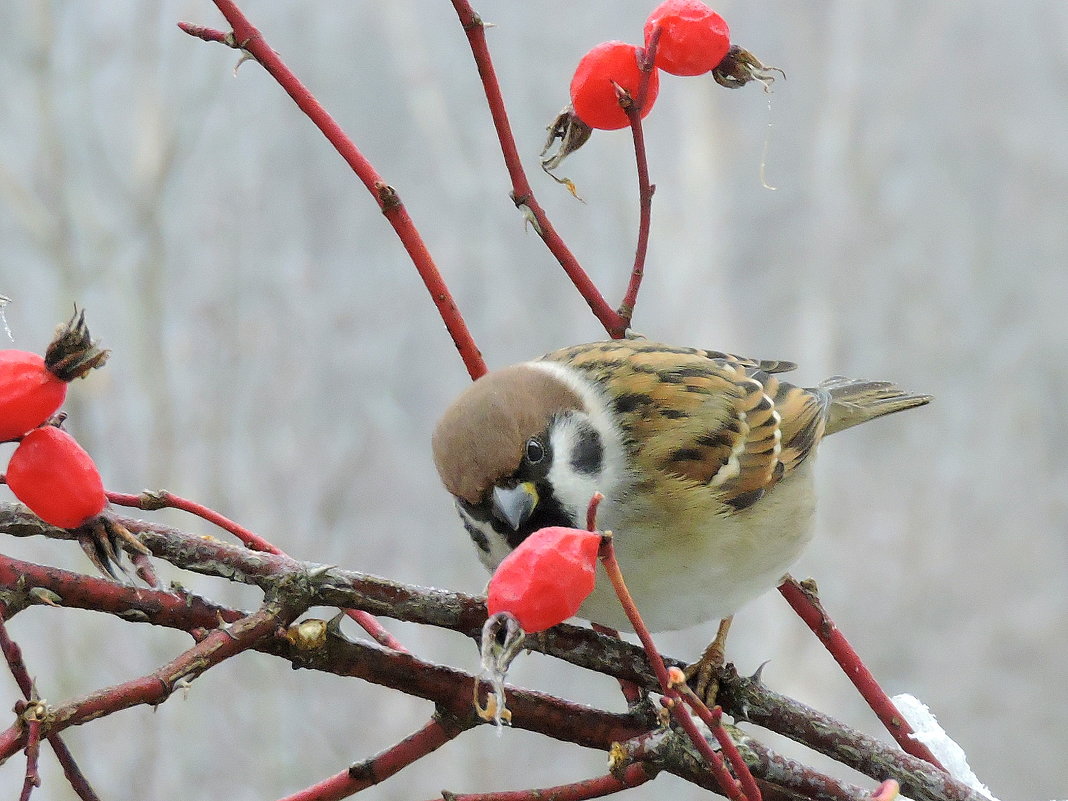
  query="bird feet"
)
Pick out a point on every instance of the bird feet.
point(703, 675)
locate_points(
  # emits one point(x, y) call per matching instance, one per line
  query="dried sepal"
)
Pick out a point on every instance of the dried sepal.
point(572, 134)
point(72, 352)
point(739, 67)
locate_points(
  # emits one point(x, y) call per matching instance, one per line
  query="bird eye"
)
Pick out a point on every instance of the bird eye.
point(535, 452)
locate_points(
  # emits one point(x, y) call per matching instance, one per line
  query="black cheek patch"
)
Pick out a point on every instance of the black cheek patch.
point(478, 537)
point(588, 455)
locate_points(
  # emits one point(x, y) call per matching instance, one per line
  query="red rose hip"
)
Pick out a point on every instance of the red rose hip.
point(593, 86)
point(54, 476)
point(693, 38)
point(30, 393)
point(545, 580)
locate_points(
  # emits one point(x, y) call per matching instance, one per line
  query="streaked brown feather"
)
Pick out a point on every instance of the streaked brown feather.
point(803, 419)
point(704, 416)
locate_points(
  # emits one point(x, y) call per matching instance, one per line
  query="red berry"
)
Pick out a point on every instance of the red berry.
point(693, 37)
point(593, 93)
point(56, 478)
point(29, 392)
point(545, 580)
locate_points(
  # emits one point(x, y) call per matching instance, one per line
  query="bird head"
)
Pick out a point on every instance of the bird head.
point(505, 449)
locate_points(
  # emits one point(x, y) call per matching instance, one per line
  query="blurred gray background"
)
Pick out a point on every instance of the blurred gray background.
point(276, 356)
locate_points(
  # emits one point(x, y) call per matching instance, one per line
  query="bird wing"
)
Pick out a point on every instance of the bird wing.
point(704, 416)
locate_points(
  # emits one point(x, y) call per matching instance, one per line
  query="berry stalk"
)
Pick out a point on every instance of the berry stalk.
point(645, 187)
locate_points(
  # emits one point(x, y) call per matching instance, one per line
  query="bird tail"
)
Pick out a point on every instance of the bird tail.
point(855, 401)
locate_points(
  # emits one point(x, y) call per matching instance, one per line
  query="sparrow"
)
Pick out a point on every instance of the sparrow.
point(704, 460)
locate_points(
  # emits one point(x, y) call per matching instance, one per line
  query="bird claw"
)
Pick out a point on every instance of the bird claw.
point(703, 675)
point(703, 678)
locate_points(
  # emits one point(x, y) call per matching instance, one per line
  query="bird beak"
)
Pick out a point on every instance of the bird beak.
point(515, 505)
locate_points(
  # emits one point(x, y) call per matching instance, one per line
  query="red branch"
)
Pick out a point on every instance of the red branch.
point(734, 756)
point(76, 591)
point(645, 188)
point(450, 690)
point(153, 689)
point(13, 655)
point(522, 193)
point(247, 38)
point(632, 776)
point(33, 751)
point(808, 607)
point(163, 499)
point(672, 700)
point(438, 731)
point(631, 691)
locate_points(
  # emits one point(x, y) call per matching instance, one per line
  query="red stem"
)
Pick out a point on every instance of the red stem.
point(591, 511)
point(807, 606)
point(71, 771)
point(712, 718)
point(730, 786)
point(251, 540)
point(672, 698)
point(33, 751)
point(220, 644)
point(247, 38)
point(13, 655)
point(361, 776)
point(645, 188)
point(522, 193)
point(633, 775)
point(163, 499)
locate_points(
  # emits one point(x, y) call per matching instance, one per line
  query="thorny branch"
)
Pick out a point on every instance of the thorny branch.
point(23, 584)
point(13, 655)
point(215, 647)
point(164, 499)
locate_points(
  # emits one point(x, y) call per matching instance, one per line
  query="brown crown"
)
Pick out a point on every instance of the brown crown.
point(480, 438)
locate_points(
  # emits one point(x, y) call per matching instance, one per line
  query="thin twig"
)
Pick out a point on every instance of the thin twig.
point(672, 699)
point(248, 39)
point(163, 499)
point(13, 654)
point(713, 718)
point(805, 602)
point(153, 689)
point(33, 752)
point(438, 731)
point(645, 188)
point(633, 775)
point(522, 193)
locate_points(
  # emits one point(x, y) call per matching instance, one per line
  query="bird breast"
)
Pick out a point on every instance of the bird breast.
point(689, 560)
